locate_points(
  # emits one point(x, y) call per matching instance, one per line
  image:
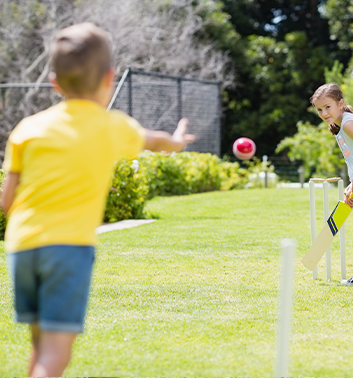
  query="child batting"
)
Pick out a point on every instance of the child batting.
point(329, 103)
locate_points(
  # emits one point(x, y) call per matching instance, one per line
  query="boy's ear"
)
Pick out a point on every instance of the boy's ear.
point(54, 82)
point(109, 77)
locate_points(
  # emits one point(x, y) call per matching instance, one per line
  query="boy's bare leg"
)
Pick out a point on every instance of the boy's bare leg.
point(35, 331)
point(52, 354)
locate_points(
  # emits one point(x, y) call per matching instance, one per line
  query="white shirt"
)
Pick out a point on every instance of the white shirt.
point(345, 143)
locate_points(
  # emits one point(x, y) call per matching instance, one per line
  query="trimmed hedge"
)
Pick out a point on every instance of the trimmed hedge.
point(128, 193)
point(166, 175)
point(154, 174)
point(232, 176)
point(180, 174)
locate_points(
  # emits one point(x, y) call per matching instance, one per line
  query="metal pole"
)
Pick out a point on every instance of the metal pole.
point(264, 167)
point(313, 220)
point(342, 235)
point(180, 101)
point(285, 307)
point(118, 88)
point(130, 93)
point(218, 121)
point(301, 176)
point(326, 216)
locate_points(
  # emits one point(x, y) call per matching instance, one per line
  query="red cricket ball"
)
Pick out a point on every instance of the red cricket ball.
point(244, 148)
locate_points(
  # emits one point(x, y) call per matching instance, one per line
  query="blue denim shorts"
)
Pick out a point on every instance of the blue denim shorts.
point(51, 286)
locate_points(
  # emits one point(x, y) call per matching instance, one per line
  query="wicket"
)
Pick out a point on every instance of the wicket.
point(285, 308)
point(325, 186)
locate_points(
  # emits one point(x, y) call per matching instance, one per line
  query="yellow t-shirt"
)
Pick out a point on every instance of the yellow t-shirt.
point(65, 156)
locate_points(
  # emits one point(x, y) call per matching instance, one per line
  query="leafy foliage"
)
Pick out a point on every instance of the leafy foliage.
point(184, 173)
point(270, 54)
point(257, 169)
point(343, 78)
point(154, 174)
point(340, 17)
point(287, 45)
point(314, 145)
point(177, 37)
point(276, 18)
point(280, 76)
point(316, 148)
point(232, 176)
point(128, 193)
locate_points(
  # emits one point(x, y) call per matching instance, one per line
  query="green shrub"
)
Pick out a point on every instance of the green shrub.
point(203, 171)
point(314, 145)
point(166, 175)
point(232, 176)
point(128, 193)
point(256, 169)
point(154, 174)
point(179, 174)
point(316, 148)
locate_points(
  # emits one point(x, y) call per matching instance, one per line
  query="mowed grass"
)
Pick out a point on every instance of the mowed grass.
point(196, 293)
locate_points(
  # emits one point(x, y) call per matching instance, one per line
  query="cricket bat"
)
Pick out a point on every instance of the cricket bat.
point(326, 235)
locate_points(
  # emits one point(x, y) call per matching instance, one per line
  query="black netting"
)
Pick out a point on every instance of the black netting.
point(158, 102)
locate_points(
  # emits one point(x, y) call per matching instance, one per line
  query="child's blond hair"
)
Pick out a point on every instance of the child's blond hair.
point(80, 56)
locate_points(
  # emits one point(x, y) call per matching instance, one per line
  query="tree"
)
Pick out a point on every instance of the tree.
point(340, 18)
point(314, 145)
point(25, 29)
point(161, 35)
point(270, 54)
point(274, 89)
point(276, 18)
point(175, 36)
point(287, 47)
point(316, 148)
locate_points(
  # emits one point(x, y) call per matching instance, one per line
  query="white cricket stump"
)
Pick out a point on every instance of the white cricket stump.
point(326, 216)
point(313, 220)
point(325, 186)
point(285, 307)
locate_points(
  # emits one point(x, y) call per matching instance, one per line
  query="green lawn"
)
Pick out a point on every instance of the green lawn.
point(196, 293)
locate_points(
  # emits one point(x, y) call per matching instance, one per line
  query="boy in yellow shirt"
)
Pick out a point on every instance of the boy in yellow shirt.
point(59, 164)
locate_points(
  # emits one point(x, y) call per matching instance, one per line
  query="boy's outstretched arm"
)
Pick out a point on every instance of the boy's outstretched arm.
point(163, 141)
point(9, 190)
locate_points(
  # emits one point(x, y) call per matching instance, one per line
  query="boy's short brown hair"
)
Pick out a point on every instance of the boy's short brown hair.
point(80, 56)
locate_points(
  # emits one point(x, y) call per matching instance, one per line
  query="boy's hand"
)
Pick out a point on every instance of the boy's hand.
point(163, 141)
point(180, 135)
